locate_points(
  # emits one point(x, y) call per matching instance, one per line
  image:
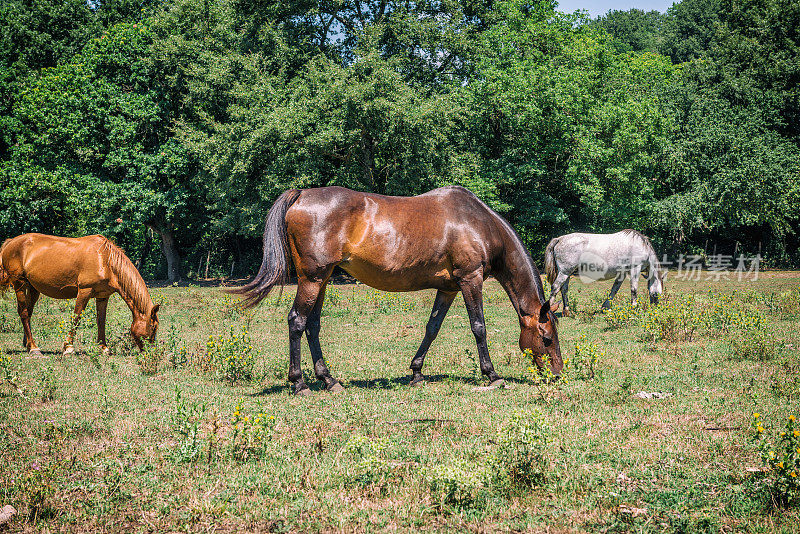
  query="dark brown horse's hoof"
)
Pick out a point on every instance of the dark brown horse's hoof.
point(499, 383)
point(417, 381)
point(305, 392)
point(336, 388)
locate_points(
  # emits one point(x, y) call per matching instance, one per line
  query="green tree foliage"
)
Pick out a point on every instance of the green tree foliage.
point(574, 128)
point(105, 117)
point(186, 118)
point(634, 30)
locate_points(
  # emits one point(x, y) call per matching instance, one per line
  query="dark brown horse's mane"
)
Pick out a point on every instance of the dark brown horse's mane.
point(537, 275)
point(129, 278)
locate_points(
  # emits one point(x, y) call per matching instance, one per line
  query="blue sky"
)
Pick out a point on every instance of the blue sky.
point(600, 7)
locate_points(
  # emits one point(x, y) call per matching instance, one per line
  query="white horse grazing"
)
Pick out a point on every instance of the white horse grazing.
point(602, 257)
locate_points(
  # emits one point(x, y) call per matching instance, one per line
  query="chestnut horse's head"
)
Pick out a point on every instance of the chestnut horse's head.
point(144, 327)
point(540, 337)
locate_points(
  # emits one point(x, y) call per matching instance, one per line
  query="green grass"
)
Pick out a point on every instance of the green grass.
point(94, 443)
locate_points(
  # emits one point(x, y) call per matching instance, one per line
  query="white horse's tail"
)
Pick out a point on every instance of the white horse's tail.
point(550, 266)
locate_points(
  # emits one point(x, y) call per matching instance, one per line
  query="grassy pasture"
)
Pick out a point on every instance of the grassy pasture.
point(149, 443)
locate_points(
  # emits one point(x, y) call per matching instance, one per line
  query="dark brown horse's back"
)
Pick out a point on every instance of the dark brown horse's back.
point(391, 243)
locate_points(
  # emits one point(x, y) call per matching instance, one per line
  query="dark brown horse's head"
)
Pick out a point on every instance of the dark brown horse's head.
point(540, 337)
point(144, 327)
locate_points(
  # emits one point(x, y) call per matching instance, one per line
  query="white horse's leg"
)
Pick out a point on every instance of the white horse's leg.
point(564, 289)
point(560, 280)
point(617, 284)
point(636, 270)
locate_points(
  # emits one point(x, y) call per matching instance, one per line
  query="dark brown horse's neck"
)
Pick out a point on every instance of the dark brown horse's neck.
point(519, 277)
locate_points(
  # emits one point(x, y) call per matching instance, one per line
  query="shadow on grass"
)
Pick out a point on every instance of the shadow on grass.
point(399, 382)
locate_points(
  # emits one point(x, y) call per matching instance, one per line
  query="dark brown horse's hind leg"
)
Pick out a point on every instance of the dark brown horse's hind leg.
point(440, 307)
point(304, 302)
point(312, 335)
point(26, 299)
point(473, 299)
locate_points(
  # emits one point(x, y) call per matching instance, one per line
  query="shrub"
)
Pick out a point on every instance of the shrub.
point(186, 422)
point(757, 344)
point(251, 433)
point(150, 357)
point(373, 463)
point(457, 482)
point(785, 304)
point(723, 313)
point(48, 383)
point(621, 315)
point(674, 319)
point(520, 460)
point(781, 460)
point(587, 356)
point(232, 356)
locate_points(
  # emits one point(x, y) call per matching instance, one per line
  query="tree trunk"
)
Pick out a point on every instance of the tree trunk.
point(170, 250)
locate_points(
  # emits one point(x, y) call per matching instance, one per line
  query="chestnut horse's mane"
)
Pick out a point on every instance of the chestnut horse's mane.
point(131, 282)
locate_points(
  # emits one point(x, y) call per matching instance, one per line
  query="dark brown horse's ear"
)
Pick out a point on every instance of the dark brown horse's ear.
point(155, 310)
point(544, 311)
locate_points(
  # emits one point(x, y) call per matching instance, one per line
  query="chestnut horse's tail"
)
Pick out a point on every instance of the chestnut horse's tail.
point(5, 278)
point(275, 263)
point(550, 266)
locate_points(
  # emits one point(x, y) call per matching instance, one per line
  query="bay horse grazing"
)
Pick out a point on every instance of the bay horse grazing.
point(446, 239)
point(81, 268)
point(603, 257)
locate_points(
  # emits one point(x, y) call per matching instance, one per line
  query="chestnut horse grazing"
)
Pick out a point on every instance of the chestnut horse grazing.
point(446, 239)
point(79, 268)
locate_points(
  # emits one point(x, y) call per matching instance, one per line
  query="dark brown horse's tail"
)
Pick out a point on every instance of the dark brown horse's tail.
point(275, 263)
point(550, 266)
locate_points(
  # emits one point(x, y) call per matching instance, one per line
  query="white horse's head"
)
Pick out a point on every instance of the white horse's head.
point(655, 284)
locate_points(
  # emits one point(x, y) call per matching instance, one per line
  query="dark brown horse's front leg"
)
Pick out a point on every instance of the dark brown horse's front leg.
point(26, 299)
point(440, 307)
point(312, 335)
point(473, 299)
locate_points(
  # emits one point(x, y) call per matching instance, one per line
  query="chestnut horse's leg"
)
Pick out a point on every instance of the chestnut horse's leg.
point(304, 303)
point(440, 307)
point(26, 298)
point(312, 336)
point(473, 299)
point(102, 305)
point(80, 304)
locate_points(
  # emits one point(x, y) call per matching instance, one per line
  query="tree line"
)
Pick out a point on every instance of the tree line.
point(172, 125)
